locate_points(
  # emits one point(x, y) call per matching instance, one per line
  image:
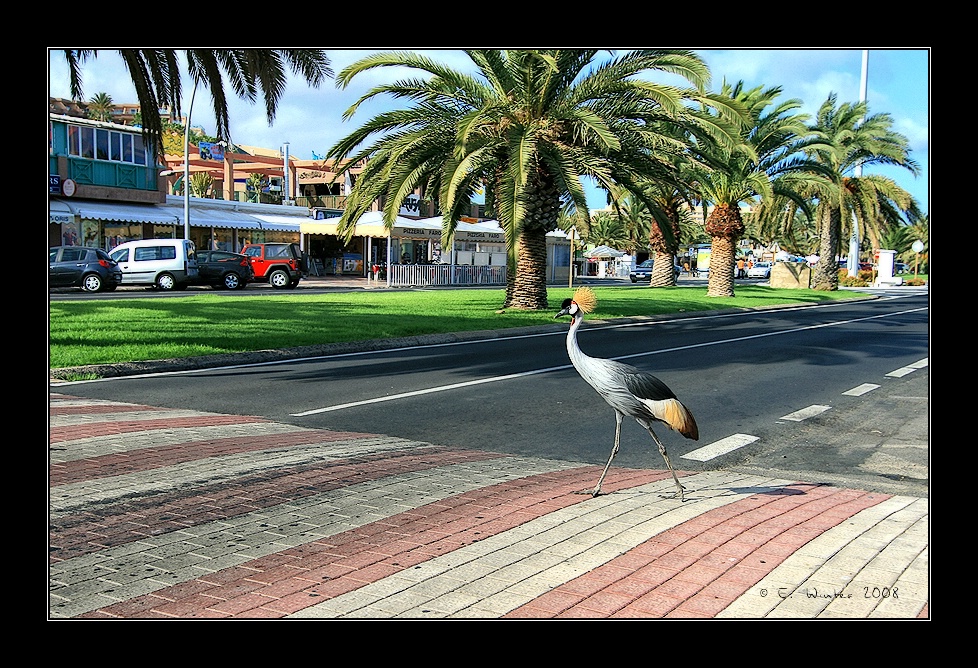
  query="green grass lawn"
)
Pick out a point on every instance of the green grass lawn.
point(129, 330)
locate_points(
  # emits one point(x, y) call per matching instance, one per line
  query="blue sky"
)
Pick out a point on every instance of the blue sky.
point(310, 119)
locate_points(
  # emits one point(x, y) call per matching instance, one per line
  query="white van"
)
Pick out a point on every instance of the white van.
point(167, 264)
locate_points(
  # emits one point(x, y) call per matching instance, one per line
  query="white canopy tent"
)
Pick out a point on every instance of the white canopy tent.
point(605, 256)
point(603, 252)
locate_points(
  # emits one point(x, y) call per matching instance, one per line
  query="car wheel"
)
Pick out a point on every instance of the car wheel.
point(279, 279)
point(166, 282)
point(232, 281)
point(634, 279)
point(92, 283)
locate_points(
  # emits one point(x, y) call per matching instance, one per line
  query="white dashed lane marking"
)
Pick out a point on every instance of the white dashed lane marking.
point(860, 390)
point(806, 413)
point(721, 447)
point(731, 443)
point(910, 368)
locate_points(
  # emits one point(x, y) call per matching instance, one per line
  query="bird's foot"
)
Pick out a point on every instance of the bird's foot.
point(678, 494)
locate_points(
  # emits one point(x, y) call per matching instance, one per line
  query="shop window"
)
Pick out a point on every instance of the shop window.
point(69, 235)
point(118, 233)
point(90, 233)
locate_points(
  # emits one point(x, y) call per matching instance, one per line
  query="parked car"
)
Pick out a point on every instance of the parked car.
point(166, 264)
point(901, 268)
point(90, 269)
point(760, 270)
point(643, 271)
point(863, 266)
point(223, 269)
point(279, 265)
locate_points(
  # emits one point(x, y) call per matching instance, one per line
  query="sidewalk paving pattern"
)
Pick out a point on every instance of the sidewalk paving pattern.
point(157, 513)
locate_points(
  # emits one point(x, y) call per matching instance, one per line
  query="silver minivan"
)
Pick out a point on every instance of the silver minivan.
point(166, 264)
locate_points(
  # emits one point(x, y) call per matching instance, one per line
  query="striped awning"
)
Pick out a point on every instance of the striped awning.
point(126, 213)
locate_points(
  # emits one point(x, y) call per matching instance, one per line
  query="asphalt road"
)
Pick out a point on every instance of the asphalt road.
point(801, 392)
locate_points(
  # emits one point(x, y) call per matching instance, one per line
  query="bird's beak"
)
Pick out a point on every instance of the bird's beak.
point(563, 311)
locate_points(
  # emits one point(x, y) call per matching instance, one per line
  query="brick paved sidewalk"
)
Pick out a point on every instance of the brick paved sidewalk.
point(159, 513)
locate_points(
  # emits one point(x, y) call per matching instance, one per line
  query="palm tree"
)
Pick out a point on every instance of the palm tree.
point(200, 183)
point(671, 200)
point(898, 239)
point(691, 231)
point(256, 184)
point(665, 213)
point(793, 231)
point(156, 76)
point(921, 233)
point(100, 107)
point(853, 139)
point(527, 127)
point(607, 230)
point(894, 209)
point(763, 166)
point(636, 222)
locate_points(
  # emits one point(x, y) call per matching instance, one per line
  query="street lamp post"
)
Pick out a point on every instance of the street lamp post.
point(570, 275)
point(852, 266)
point(917, 247)
point(186, 166)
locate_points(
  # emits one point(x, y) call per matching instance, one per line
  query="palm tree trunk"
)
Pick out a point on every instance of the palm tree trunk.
point(722, 255)
point(527, 288)
point(826, 275)
point(526, 285)
point(663, 274)
point(725, 226)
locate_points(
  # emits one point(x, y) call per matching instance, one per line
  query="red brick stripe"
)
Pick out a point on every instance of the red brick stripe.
point(698, 568)
point(286, 582)
point(133, 520)
point(99, 409)
point(81, 431)
point(145, 459)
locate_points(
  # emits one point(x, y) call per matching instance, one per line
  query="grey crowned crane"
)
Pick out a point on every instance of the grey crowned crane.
point(626, 389)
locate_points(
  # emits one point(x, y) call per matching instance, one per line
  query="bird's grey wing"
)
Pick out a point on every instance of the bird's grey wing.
point(661, 402)
point(644, 385)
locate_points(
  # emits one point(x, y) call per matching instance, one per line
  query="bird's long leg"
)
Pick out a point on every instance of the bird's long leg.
point(680, 490)
point(614, 451)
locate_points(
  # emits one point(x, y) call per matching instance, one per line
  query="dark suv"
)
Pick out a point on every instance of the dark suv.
point(222, 269)
point(90, 269)
point(279, 265)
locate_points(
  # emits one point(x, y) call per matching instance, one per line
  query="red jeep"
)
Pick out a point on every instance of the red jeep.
point(279, 265)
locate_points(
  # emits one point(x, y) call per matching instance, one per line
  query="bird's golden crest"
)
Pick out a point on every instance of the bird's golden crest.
point(585, 299)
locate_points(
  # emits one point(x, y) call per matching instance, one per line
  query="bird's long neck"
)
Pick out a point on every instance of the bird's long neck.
point(574, 351)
